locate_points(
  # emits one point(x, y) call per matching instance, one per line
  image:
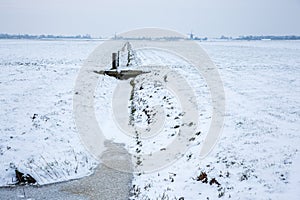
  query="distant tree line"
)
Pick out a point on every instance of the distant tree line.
point(148, 38)
point(266, 37)
point(27, 36)
point(87, 36)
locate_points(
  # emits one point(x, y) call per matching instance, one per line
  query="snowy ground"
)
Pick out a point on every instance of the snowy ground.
point(38, 133)
point(256, 157)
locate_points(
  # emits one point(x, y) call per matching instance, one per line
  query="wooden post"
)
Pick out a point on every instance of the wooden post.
point(128, 58)
point(118, 59)
point(114, 60)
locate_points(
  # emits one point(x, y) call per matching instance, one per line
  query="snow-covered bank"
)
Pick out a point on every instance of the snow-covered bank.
point(260, 141)
point(37, 131)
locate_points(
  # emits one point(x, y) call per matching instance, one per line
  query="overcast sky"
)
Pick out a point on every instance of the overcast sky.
point(211, 18)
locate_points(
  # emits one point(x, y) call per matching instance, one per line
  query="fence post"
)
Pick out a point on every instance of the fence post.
point(114, 60)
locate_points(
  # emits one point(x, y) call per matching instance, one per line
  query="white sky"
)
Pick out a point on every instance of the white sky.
point(211, 18)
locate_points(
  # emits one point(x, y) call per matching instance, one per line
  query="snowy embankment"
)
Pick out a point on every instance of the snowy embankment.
point(37, 132)
point(256, 157)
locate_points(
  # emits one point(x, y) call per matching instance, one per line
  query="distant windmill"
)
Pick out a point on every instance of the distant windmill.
point(191, 35)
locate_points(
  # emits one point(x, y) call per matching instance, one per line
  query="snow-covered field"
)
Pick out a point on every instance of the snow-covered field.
point(38, 133)
point(256, 157)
